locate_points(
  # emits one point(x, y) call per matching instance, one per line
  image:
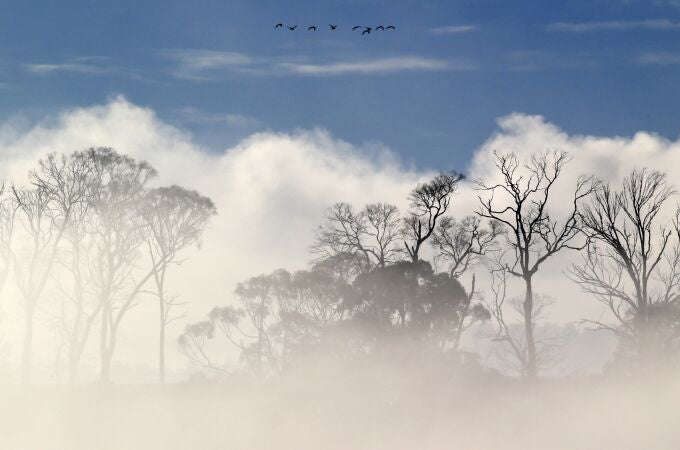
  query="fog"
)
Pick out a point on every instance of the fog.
point(392, 407)
point(298, 291)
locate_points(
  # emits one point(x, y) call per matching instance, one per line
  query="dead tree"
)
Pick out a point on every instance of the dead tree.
point(175, 219)
point(119, 233)
point(633, 263)
point(369, 237)
point(461, 245)
point(514, 352)
point(45, 211)
point(429, 202)
point(520, 202)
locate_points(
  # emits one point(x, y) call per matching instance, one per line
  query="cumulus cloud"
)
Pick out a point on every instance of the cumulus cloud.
point(271, 191)
point(608, 158)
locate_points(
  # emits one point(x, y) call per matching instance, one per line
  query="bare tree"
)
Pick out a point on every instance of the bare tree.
point(119, 233)
point(461, 244)
point(45, 212)
point(514, 352)
point(533, 235)
point(429, 202)
point(369, 237)
point(175, 219)
point(633, 262)
point(77, 313)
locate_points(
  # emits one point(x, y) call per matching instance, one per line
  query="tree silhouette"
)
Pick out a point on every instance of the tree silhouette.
point(632, 265)
point(174, 219)
point(533, 235)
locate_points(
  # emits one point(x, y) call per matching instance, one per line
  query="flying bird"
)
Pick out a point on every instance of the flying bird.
point(333, 27)
point(312, 28)
point(279, 25)
point(391, 27)
point(367, 30)
point(380, 28)
point(292, 28)
point(356, 27)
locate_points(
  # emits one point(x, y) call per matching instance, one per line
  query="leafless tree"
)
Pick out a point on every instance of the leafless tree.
point(429, 202)
point(369, 237)
point(633, 263)
point(533, 235)
point(461, 244)
point(119, 232)
point(175, 219)
point(45, 211)
point(514, 352)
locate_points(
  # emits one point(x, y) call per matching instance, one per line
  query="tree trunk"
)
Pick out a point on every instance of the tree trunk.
point(104, 354)
point(528, 306)
point(28, 342)
point(161, 341)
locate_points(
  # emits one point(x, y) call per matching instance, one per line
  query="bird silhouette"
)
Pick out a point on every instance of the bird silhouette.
point(279, 25)
point(356, 27)
point(367, 30)
point(292, 28)
point(391, 27)
point(379, 28)
point(333, 27)
point(312, 28)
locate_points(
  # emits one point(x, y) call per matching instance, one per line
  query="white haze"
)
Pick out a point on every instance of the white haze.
point(271, 191)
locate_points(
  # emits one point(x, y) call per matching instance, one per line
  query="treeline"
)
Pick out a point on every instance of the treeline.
point(89, 237)
point(84, 240)
point(384, 283)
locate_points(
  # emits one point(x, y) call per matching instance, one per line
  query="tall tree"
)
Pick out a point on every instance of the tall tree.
point(175, 219)
point(45, 211)
point(520, 202)
point(119, 232)
point(633, 262)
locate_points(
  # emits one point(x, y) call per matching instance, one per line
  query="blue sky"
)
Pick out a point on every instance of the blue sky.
point(431, 90)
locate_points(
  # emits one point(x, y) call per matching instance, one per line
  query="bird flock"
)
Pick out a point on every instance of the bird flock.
point(364, 29)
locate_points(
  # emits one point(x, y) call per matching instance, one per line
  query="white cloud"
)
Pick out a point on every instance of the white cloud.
point(84, 65)
point(454, 29)
point(197, 64)
point(614, 25)
point(64, 67)
point(272, 188)
point(194, 115)
point(207, 65)
point(376, 66)
point(271, 191)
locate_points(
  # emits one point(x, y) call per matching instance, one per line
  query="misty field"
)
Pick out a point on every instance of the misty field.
point(366, 411)
point(415, 328)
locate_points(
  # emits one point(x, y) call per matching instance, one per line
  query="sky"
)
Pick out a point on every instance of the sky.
point(431, 90)
point(277, 125)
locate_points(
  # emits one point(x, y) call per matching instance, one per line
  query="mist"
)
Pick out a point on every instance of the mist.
point(298, 291)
